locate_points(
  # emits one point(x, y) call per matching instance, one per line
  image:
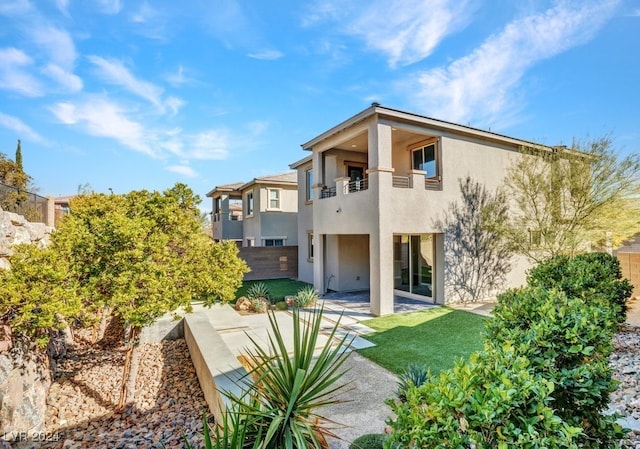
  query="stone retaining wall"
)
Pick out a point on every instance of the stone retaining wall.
point(25, 375)
point(15, 229)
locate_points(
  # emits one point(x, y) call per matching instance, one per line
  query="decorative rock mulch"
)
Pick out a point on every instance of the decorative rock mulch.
point(169, 402)
point(82, 401)
point(626, 363)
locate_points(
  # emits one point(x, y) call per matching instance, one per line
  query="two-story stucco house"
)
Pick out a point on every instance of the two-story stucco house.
point(261, 212)
point(370, 194)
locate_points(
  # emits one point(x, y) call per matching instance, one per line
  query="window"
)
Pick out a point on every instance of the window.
point(310, 246)
point(308, 175)
point(535, 238)
point(251, 242)
point(273, 242)
point(249, 203)
point(424, 158)
point(274, 198)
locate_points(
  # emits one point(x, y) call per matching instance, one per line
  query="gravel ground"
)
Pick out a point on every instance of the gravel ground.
point(83, 398)
point(81, 405)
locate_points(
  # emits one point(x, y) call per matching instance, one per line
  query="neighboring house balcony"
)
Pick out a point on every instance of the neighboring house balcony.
point(227, 226)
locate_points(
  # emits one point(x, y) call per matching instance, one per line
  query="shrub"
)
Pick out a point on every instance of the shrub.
point(369, 441)
point(258, 290)
point(495, 400)
point(306, 297)
point(592, 276)
point(282, 305)
point(568, 342)
point(414, 375)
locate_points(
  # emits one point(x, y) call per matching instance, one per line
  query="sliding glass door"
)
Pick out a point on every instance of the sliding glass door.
point(413, 264)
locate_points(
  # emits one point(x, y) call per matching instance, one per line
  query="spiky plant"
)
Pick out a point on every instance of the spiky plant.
point(283, 391)
point(306, 297)
point(414, 375)
point(258, 290)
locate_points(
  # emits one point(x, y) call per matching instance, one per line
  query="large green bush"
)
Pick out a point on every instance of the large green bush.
point(568, 341)
point(593, 276)
point(495, 400)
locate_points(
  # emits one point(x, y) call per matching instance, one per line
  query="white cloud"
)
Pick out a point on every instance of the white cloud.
point(69, 81)
point(266, 55)
point(406, 32)
point(21, 128)
point(114, 72)
point(110, 6)
point(15, 7)
point(174, 104)
point(62, 6)
point(14, 75)
point(57, 42)
point(178, 78)
point(208, 145)
point(410, 30)
point(183, 170)
point(482, 86)
point(101, 117)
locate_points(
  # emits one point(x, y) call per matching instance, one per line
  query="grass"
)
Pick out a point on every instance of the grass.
point(279, 288)
point(434, 337)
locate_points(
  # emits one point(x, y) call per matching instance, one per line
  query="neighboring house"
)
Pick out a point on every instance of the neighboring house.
point(261, 212)
point(371, 192)
point(61, 207)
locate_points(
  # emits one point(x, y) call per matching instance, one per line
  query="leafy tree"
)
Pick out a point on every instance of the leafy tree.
point(13, 175)
point(141, 255)
point(474, 237)
point(36, 294)
point(568, 197)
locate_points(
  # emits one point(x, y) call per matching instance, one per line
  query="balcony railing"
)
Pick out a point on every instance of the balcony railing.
point(356, 186)
point(327, 192)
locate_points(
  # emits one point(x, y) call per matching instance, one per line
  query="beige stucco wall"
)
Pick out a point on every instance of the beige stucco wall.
point(266, 223)
point(305, 225)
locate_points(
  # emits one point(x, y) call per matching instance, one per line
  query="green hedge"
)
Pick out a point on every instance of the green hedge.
point(568, 342)
point(592, 276)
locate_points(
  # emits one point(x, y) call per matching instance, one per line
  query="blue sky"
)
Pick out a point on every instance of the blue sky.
point(130, 94)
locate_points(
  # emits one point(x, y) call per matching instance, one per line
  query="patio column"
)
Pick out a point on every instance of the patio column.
point(381, 273)
point(318, 263)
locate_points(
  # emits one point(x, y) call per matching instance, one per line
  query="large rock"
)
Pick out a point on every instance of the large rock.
point(24, 383)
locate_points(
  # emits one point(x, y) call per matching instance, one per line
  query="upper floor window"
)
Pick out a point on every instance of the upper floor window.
point(274, 198)
point(249, 203)
point(308, 175)
point(424, 158)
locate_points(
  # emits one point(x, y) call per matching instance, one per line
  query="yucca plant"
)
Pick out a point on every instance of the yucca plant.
point(306, 297)
point(230, 434)
point(258, 290)
point(283, 391)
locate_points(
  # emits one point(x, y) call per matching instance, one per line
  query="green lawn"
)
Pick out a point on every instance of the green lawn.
point(435, 337)
point(279, 288)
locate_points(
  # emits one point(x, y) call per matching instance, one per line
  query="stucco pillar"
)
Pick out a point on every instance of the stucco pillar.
point(381, 273)
point(51, 212)
point(438, 282)
point(318, 171)
point(379, 141)
point(318, 263)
